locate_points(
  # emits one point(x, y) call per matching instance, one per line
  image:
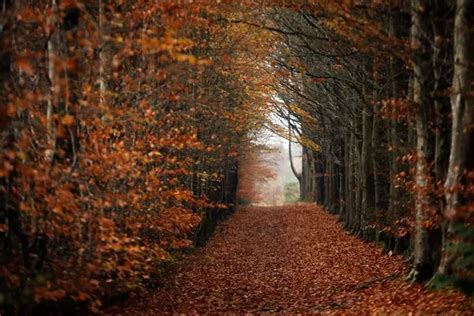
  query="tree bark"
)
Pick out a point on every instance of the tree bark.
point(53, 72)
point(358, 177)
point(298, 176)
point(347, 177)
point(105, 57)
point(368, 190)
point(396, 67)
point(352, 180)
point(424, 264)
point(461, 164)
point(442, 55)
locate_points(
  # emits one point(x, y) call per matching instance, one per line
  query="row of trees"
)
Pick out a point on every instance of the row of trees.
point(380, 96)
point(121, 124)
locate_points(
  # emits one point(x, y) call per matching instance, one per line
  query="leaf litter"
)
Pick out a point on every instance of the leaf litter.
point(293, 259)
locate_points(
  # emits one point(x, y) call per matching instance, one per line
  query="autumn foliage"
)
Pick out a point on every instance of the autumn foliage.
point(128, 128)
point(120, 127)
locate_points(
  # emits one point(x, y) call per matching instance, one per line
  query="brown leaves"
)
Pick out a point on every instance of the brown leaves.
point(140, 129)
point(293, 259)
point(45, 294)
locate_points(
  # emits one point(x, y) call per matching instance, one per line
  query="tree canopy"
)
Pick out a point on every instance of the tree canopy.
point(128, 128)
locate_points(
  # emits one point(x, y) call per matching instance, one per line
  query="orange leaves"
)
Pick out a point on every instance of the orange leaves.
point(183, 195)
point(254, 173)
point(173, 225)
point(397, 109)
point(106, 223)
point(46, 294)
point(29, 15)
point(140, 128)
point(81, 297)
point(68, 120)
point(291, 260)
point(68, 4)
point(4, 228)
point(25, 65)
point(171, 44)
point(57, 210)
point(226, 59)
point(186, 58)
point(5, 169)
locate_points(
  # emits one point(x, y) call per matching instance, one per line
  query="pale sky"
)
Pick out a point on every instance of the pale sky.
point(280, 161)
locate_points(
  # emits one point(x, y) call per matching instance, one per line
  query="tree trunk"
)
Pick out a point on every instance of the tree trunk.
point(105, 57)
point(442, 56)
point(314, 178)
point(368, 192)
point(396, 67)
point(358, 177)
point(347, 178)
point(343, 178)
point(352, 180)
point(298, 176)
point(424, 263)
point(461, 163)
point(53, 72)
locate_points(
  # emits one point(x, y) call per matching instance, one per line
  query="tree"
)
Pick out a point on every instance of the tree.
point(456, 258)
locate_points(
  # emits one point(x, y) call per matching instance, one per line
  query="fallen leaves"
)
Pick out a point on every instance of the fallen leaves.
point(293, 259)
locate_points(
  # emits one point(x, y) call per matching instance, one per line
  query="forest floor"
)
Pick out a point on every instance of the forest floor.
point(292, 259)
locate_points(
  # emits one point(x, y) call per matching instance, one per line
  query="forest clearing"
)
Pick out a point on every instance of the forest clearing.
point(329, 143)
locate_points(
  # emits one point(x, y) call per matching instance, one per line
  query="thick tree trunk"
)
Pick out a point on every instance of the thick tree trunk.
point(442, 56)
point(424, 263)
point(461, 162)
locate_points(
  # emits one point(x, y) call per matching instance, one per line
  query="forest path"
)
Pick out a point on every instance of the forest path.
point(291, 259)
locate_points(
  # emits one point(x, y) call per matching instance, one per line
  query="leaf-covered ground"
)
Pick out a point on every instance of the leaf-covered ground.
point(293, 259)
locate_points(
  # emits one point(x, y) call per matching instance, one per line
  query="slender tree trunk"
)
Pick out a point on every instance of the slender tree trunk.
point(53, 72)
point(368, 192)
point(105, 56)
point(347, 178)
point(333, 182)
point(394, 136)
point(340, 187)
point(352, 181)
point(358, 177)
point(314, 178)
point(326, 180)
point(343, 179)
point(311, 191)
point(293, 169)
